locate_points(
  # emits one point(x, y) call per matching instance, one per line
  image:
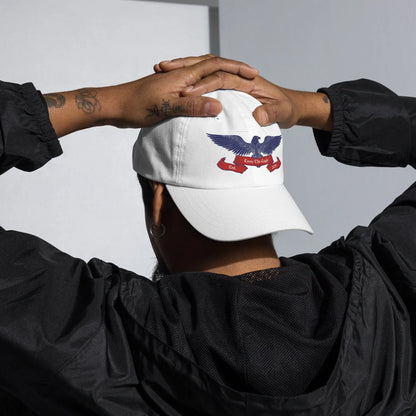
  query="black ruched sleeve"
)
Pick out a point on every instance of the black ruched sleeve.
point(375, 127)
point(27, 138)
point(372, 125)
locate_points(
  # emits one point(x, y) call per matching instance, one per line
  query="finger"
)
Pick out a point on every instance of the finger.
point(219, 81)
point(209, 66)
point(166, 66)
point(197, 107)
point(267, 114)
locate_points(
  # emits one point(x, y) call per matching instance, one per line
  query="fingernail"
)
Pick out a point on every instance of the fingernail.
point(164, 62)
point(188, 89)
point(212, 108)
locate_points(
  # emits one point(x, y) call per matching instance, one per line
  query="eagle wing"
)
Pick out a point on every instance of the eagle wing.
point(231, 142)
point(269, 145)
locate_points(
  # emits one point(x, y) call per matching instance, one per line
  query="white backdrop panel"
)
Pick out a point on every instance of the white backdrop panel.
point(87, 202)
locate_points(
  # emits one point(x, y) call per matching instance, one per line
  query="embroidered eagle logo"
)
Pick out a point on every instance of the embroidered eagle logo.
point(261, 153)
point(240, 147)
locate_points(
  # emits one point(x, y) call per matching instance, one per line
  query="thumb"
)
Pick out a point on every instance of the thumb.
point(198, 106)
point(266, 114)
point(276, 112)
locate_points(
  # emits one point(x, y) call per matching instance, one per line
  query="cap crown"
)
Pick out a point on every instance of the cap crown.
point(230, 150)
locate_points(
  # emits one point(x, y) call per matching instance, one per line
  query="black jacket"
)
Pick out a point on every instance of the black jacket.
point(331, 333)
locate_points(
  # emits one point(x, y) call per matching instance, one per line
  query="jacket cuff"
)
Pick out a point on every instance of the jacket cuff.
point(36, 105)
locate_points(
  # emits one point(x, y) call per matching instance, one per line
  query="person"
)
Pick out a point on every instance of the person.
point(330, 333)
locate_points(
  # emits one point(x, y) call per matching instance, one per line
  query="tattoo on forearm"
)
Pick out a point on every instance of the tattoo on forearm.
point(165, 109)
point(325, 98)
point(87, 100)
point(54, 100)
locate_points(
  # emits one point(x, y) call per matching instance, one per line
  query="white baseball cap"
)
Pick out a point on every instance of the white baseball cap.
point(224, 173)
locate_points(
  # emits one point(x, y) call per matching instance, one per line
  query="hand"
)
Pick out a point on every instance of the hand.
point(143, 102)
point(148, 100)
point(284, 106)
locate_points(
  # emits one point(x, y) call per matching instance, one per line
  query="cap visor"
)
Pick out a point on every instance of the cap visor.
point(239, 214)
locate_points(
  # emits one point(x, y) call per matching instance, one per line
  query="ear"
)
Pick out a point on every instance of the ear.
point(158, 189)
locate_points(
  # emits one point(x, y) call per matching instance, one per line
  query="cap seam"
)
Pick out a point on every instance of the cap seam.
point(180, 146)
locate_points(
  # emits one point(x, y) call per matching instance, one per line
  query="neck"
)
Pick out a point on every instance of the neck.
point(244, 266)
point(229, 258)
point(183, 249)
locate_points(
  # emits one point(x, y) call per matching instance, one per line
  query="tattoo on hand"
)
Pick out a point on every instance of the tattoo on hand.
point(325, 98)
point(87, 100)
point(165, 110)
point(54, 100)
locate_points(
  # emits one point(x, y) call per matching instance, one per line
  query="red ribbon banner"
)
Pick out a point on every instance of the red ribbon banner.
point(241, 163)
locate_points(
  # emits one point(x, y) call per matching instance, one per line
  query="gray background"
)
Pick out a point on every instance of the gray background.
point(87, 201)
point(304, 44)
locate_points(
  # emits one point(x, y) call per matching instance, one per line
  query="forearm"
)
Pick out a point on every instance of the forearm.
point(71, 111)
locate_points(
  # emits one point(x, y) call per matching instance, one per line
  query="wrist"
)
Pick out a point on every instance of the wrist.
point(115, 109)
point(314, 110)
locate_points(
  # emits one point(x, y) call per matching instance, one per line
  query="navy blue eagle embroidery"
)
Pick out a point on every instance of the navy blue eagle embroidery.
point(240, 147)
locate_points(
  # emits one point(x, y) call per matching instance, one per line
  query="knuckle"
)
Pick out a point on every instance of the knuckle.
point(274, 114)
point(219, 74)
point(191, 107)
point(217, 60)
point(218, 81)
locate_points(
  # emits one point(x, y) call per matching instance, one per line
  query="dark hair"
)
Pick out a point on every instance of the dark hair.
point(147, 195)
point(147, 192)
